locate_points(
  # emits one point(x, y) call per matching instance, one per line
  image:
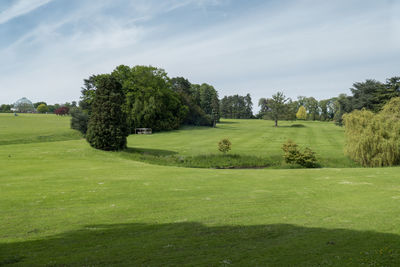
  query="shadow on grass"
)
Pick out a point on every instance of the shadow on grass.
point(195, 244)
point(149, 151)
point(292, 126)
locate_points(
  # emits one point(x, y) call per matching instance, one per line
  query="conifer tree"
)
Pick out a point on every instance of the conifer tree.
point(107, 128)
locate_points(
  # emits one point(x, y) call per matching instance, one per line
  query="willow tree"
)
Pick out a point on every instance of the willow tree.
point(373, 140)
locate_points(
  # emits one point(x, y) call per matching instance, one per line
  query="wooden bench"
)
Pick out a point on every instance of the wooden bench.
point(143, 131)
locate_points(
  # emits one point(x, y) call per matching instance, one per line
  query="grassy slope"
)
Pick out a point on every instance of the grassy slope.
point(252, 137)
point(65, 203)
point(30, 128)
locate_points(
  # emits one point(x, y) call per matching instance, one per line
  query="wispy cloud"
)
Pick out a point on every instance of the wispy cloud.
point(19, 8)
point(318, 51)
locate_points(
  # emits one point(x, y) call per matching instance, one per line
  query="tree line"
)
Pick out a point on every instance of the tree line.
point(370, 94)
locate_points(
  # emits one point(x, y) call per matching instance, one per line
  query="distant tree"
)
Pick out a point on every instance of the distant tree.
point(107, 128)
point(42, 108)
point(236, 107)
point(366, 94)
point(37, 104)
point(301, 113)
point(290, 110)
point(323, 108)
point(343, 104)
point(312, 108)
point(5, 108)
point(61, 111)
point(276, 107)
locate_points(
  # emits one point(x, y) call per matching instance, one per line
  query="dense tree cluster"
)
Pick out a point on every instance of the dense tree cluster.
point(236, 107)
point(153, 100)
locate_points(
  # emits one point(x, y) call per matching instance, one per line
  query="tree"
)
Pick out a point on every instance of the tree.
point(107, 128)
point(276, 107)
point(37, 104)
point(312, 107)
point(365, 94)
point(301, 113)
point(5, 108)
point(61, 111)
point(373, 139)
point(42, 108)
point(343, 104)
point(150, 101)
point(236, 107)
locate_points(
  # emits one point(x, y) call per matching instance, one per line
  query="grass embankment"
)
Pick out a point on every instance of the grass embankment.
point(255, 143)
point(66, 204)
point(33, 128)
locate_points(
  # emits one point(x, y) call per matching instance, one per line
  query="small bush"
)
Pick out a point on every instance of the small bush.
point(294, 155)
point(224, 145)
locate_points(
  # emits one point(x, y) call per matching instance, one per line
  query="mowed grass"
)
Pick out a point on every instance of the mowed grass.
point(250, 138)
point(65, 204)
point(30, 128)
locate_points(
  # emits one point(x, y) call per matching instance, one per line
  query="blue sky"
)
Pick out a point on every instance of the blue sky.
point(305, 47)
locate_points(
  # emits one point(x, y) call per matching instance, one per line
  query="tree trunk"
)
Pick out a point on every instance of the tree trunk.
point(276, 123)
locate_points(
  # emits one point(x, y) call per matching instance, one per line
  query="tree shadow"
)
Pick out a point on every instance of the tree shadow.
point(293, 126)
point(196, 244)
point(149, 151)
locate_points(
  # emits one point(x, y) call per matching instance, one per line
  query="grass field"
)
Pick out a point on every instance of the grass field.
point(63, 203)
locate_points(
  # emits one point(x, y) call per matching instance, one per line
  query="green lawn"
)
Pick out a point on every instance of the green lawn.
point(63, 203)
point(251, 137)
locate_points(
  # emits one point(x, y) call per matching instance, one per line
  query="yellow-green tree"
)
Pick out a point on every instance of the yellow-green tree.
point(301, 113)
point(373, 140)
point(42, 108)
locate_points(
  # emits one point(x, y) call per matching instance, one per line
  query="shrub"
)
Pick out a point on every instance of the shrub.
point(107, 128)
point(294, 155)
point(373, 140)
point(224, 145)
point(79, 120)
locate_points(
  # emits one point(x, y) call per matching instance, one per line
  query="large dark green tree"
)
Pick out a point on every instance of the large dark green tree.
point(107, 128)
point(150, 101)
point(236, 107)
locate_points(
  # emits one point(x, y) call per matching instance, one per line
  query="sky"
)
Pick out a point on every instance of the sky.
point(305, 47)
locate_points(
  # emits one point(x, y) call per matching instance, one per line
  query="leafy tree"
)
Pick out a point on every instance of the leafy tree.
point(224, 145)
point(208, 99)
point(61, 111)
point(263, 105)
point(343, 104)
point(312, 107)
point(150, 101)
point(5, 108)
point(276, 107)
point(373, 139)
point(236, 107)
point(301, 113)
point(195, 115)
point(37, 104)
point(42, 108)
point(107, 128)
point(365, 94)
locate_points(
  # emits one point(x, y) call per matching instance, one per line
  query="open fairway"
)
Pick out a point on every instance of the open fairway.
point(63, 203)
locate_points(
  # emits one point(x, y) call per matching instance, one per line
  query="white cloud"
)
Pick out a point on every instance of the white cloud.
point(21, 7)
